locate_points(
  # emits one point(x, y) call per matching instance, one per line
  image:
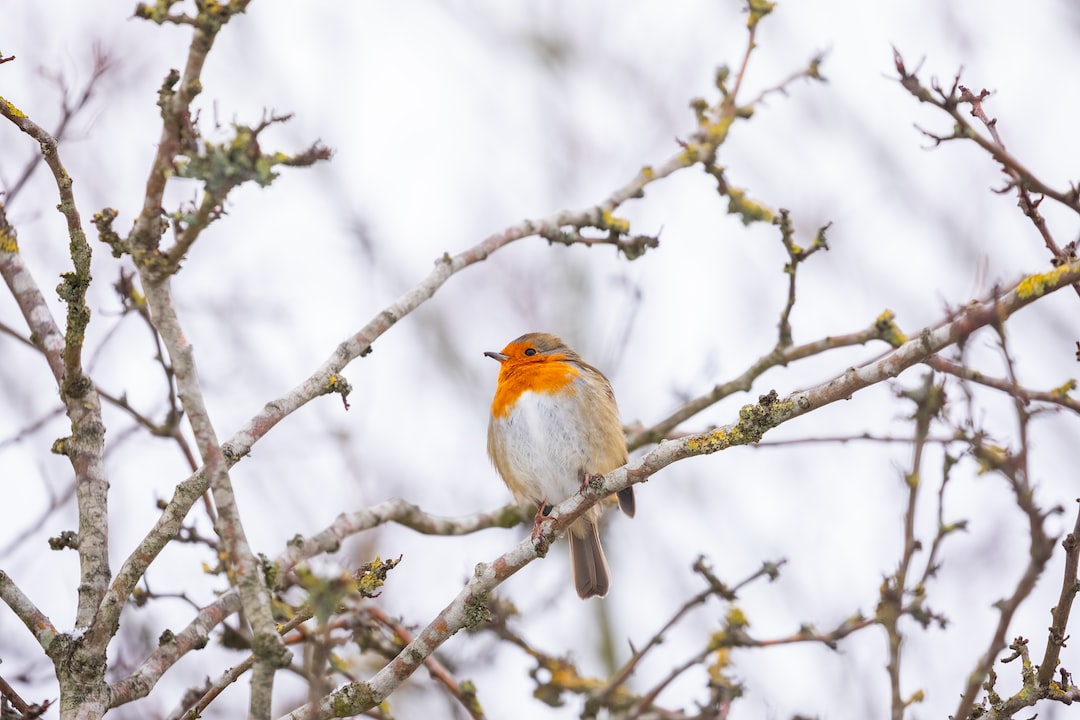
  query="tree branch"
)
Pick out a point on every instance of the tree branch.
point(39, 625)
point(86, 445)
point(1070, 585)
point(468, 607)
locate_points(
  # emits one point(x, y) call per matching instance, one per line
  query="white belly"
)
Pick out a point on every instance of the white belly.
point(545, 441)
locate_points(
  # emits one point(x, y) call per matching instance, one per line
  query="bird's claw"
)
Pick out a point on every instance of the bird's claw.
point(541, 531)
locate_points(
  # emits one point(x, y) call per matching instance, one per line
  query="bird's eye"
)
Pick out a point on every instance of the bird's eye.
point(530, 352)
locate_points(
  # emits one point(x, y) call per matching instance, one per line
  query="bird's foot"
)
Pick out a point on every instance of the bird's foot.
point(541, 531)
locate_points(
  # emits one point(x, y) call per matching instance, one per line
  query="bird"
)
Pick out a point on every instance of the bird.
point(554, 425)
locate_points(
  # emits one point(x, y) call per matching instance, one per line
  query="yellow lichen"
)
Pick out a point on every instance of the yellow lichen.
point(691, 154)
point(10, 110)
point(887, 329)
point(736, 618)
point(708, 443)
point(1035, 285)
point(1062, 391)
point(8, 242)
point(716, 132)
point(616, 224)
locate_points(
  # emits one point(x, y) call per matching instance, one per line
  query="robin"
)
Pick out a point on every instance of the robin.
point(555, 424)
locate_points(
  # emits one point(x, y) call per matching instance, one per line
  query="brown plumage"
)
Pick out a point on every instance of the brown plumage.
point(554, 423)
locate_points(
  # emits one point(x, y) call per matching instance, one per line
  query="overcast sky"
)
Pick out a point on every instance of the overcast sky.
point(450, 121)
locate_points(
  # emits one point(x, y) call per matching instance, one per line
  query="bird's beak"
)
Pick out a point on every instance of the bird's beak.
point(497, 356)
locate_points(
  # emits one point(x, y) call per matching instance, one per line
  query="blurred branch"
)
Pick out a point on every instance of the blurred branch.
point(69, 110)
point(929, 402)
point(556, 676)
point(171, 647)
point(842, 439)
point(31, 428)
point(39, 625)
point(735, 634)
point(1013, 467)
point(170, 428)
point(646, 702)
point(796, 256)
point(713, 587)
point(56, 501)
point(18, 709)
point(1057, 396)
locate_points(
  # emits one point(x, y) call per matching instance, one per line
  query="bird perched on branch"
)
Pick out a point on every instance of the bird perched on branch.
point(555, 424)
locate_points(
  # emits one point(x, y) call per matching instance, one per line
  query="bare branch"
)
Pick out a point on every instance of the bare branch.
point(70, 109)
point(63, 353)
point(754, 421)
point(1057, 396)
point(1013, 466)
point(883, 328)
point(171, 648)
point(1070, 585)
point(35, 621)
point(1020, 178)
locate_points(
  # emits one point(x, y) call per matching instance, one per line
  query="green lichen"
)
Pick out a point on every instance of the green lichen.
point(477, 612)
point(468, 698)
point(748, 210)
point(103, 221)
point(354, 698)
point(758, 10)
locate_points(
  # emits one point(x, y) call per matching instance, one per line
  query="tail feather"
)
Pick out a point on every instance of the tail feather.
point(587, 560)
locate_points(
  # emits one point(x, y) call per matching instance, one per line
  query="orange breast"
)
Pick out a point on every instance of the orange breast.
point(547, 376)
